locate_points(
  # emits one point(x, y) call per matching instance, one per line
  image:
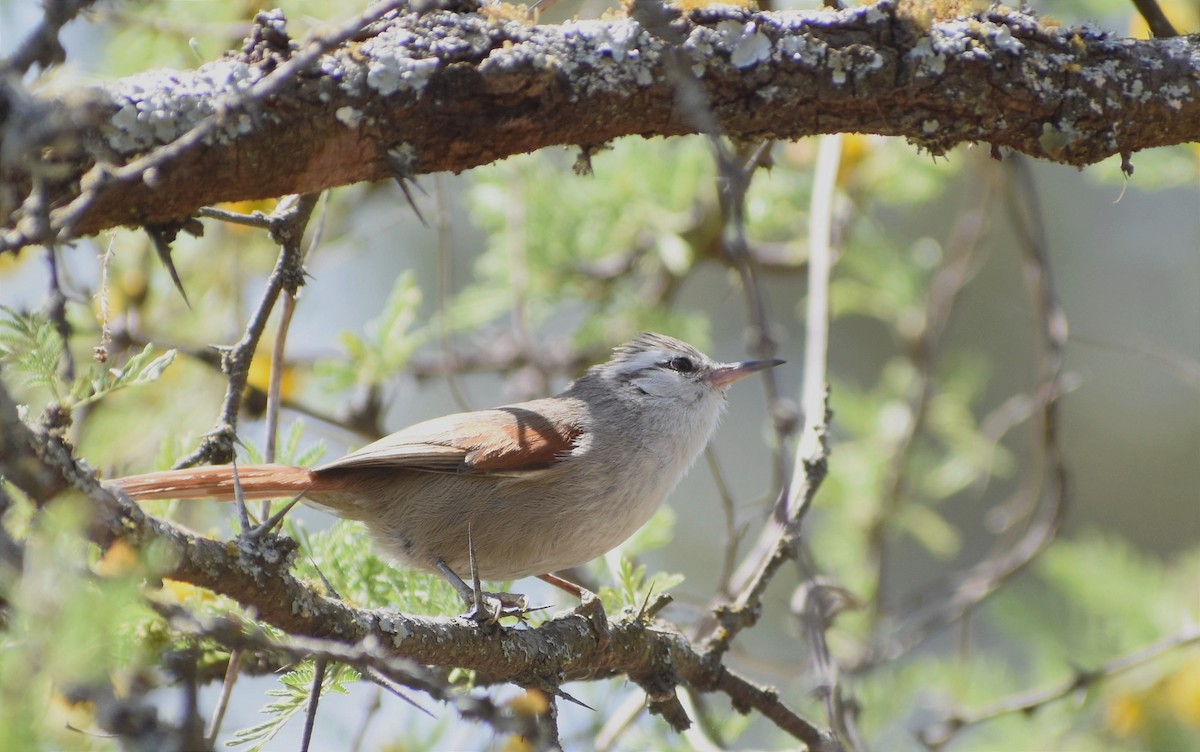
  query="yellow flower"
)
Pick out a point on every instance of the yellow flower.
point(265, 205)
point(1126, 714)
point(120, 558)
point(533, 702)
point(259, 376)
point(1183, 693)
point(182, 592)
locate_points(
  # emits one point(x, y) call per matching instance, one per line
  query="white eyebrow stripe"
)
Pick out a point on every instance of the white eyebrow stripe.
point(641, 361)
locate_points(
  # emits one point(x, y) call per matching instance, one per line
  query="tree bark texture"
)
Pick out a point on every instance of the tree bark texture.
point(417, 93)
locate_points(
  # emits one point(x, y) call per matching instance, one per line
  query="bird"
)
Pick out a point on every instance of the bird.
point(520, 490)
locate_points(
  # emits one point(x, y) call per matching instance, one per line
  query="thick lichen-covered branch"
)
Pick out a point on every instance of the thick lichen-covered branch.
point(453, 89)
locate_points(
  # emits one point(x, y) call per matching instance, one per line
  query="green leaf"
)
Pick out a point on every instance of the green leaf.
point(294, 691)
point(632, 589)
point(31, 350)
point(140, 369)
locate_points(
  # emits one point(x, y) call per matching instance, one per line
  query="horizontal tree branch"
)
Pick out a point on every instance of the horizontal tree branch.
point(255, 573)
point(446, 91)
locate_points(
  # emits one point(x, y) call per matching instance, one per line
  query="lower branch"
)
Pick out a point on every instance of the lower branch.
point(256, 575)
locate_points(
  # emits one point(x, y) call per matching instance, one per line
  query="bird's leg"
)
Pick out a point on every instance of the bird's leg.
point(589, 607)
point(490, 606)
point(477, 590)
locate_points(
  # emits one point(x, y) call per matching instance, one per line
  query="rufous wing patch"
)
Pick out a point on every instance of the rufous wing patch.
point(528, 441)
point(505, 440)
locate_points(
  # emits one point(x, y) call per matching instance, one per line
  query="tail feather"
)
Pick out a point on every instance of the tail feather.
point(216, 482)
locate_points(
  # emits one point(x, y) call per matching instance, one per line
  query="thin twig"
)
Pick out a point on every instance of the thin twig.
point(1160, 26)
point(1048, 494)
point(776, 543)
point(733, 532)
point(275, 385)
point(42, 46)
point(445, 278)
point(943, 291)
point(218, 714)
point(101, 350)
point(106, 177)
point(767, 702)
point(57, 313)
point(292, 217)
point(620, 720)
point(314, 697)
point(812, 449)
point(258, 219)
point(937, 734)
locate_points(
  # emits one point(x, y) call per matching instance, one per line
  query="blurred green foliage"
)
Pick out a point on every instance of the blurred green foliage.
point(598, 257)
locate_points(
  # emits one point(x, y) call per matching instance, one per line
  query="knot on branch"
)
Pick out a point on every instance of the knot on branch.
point(268, 43)
point(261, 557)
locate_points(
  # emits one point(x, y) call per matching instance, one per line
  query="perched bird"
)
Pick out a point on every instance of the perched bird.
point(527, 488)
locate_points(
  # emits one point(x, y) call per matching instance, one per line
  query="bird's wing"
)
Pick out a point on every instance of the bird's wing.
point(513, 440)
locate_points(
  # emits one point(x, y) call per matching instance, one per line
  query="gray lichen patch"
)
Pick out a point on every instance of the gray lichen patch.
point(157, 107)
point(1000, 76)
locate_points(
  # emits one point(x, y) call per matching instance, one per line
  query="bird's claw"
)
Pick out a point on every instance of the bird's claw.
point(492, 607)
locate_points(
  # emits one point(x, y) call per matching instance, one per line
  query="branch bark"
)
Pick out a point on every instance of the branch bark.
point(255, 572)
point(419, 93)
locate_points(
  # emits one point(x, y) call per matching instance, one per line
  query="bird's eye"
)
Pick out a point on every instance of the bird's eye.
point(681, 364)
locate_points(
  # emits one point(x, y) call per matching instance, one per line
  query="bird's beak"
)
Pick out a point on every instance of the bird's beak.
point(727, 373)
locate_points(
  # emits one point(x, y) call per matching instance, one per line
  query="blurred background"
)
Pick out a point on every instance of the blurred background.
point(523, 272)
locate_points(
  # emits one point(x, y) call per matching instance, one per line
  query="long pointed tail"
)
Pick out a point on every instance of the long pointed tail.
point(216, 482)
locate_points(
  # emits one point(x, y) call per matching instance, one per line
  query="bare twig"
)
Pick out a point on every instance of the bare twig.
point(278, 366)
point(107, 177)
point(620, 720)
point(733, 531)
point(257, 219)
point(445, 278)
point(291, 219)
point(41, 46)
point(314, 697)
point(777, 542)
point(943, 291)
point(745, 693)
point(938, 734)
point(57, 312)
point(218, 714)
point(101, 350)
point(1160, 25)
point(1048, 493)
point(812, 449)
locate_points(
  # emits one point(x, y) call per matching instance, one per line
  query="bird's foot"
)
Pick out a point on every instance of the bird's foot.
point(487, 609)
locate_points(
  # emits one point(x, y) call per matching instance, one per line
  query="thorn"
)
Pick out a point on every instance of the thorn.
point(403, 183)
point(649, 592)
point(240, 497)
point(161, 236)
point(325, 580)
point(276, 518)
point(559, 692)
